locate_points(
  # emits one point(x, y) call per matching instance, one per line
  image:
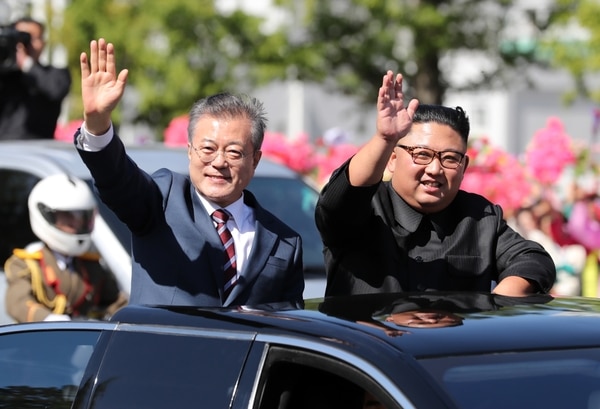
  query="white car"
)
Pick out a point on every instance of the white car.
point(23, 163)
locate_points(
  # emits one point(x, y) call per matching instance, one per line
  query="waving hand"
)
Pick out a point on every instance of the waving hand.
point(101, 87)
point(393, 119)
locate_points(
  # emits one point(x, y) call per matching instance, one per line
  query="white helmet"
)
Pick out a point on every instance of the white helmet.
point(67, 198)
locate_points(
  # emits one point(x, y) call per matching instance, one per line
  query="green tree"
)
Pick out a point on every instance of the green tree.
point(355, 41)
point(176, 51)
point(572, 40)
point(180, 50)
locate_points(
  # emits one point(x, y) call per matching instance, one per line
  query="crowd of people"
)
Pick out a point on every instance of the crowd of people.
point(567, 224)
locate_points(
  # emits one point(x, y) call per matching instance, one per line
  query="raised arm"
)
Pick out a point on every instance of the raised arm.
point(393, 122)
point(101, 88)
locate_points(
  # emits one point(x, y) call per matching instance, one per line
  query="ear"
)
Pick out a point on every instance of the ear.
point(464, 168)
point(391, 164)
point(256, 158)
point(189, 151)
point(466, 165)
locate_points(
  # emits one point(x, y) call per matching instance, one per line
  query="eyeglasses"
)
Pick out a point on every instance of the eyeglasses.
point(424, 156)
point(207, 154)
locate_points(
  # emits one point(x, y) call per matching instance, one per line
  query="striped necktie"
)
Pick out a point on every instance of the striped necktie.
point(230, 267)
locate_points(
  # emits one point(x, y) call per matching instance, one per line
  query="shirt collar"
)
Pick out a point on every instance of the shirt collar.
point(404, 215)
point(237, 209)
point(411, 219)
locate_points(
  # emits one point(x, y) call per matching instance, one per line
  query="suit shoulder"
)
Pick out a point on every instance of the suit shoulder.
point(475, 203)
point(166, 180)
point(15, 267)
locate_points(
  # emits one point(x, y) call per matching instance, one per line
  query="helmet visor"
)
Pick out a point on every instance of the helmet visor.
point(69, 221)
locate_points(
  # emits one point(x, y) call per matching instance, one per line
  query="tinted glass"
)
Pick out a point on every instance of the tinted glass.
point(14, 215)
point(144, 370)
point(298, 379)
point(296, 386)
point(545, 379)
point(293, 201)
point(43, 369)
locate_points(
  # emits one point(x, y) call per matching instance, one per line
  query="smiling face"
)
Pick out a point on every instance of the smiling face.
point(425, 319)
point(222, 180)
point(427, 188)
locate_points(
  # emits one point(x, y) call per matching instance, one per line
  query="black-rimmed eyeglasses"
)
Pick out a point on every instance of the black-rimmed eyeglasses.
point(424, 156)
point(207, 154)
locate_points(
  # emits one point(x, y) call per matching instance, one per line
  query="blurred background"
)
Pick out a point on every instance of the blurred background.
point(317, 65)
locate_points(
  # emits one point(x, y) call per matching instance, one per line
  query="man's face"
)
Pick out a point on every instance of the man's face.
point(425, 319)
point(427, 188)
point(37, 40)
point(74, 221)
point(223, 179)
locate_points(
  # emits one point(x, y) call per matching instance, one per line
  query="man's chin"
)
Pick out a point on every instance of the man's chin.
point(431, 206)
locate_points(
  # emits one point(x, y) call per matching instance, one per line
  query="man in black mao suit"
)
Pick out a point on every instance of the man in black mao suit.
point(178, 257)
point(418, 231)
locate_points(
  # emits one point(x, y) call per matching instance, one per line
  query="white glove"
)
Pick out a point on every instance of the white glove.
point(57, 317)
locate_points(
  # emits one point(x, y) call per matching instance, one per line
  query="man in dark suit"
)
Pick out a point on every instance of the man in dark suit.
point(419, 231)
point(178, 255)
point(31, 93)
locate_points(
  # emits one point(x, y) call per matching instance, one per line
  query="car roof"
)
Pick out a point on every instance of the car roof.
point(55, 156)
point(490, 323)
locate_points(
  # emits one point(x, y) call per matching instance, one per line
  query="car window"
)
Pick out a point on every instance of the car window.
point(293, 201)
point(41, 369)
point(153, 370)
point(536, 379)
point(297, 379)
point(15, 229)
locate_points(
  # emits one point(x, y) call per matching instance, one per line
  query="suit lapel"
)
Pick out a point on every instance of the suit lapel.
point(264, 241)
point(208, 233)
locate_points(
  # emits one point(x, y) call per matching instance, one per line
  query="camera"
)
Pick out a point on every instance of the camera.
point(9, 38)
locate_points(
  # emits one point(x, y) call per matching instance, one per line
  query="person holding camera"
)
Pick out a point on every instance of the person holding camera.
point(31, 94)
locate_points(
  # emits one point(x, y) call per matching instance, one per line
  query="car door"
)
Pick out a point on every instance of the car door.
point(149, 366)
point(41, 366)
point(305, 373)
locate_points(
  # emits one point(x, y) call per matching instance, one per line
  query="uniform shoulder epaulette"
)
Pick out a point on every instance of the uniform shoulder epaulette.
point(26, 254)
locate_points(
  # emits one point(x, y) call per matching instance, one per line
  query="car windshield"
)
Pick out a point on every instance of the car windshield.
point(535, 379)
point(290, 199)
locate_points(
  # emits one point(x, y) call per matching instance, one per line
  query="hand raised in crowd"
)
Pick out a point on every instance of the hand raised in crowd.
point(101, 87)
point(393, 119)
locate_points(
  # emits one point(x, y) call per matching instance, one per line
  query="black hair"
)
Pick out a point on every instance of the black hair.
point(455, 118)
point(226, 105)
point(29, 20)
